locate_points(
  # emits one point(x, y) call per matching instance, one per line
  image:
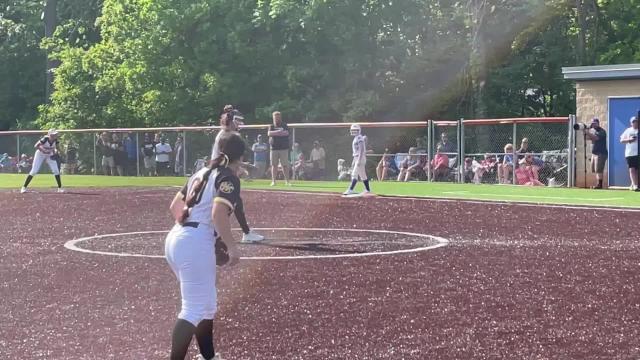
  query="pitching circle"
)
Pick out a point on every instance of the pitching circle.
point(440, 242)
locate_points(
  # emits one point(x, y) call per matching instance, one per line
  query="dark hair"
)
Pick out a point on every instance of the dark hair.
point(232, 147)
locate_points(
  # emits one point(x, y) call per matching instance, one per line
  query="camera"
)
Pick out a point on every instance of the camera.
point(580, 126)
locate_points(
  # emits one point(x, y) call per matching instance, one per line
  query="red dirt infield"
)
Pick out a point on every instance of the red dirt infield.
point(514, 282)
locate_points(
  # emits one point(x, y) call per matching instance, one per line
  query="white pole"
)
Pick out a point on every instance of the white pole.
point(137, 154)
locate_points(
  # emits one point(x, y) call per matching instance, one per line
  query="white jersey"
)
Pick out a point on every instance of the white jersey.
point(220, 186)
point(630, 149)
point(215, 151)
point(48, 145)
point(359, 148)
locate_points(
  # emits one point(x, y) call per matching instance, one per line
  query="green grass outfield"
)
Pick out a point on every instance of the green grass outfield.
point(619, 198)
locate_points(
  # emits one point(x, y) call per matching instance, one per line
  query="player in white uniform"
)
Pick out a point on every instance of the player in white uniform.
point(359, 147)
point(46, 151)
point(230, 120)
point(202, 211)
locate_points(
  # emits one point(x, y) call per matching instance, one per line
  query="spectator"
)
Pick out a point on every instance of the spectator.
point(447, 147)
point(119, 154)
point(387, 167)
point(104, 148)
point(260, 152)
point(71, 159)
point(149, 155)
point(630, 138)
point(421, 145)
point(440, 165)
point(178, 166)
point(524, 176)
point(528, 162)
point(295, 153)
point(5, 163)
point(200, 163)
point(599, 153)
point(535, 161)
point(488, 166)
point(419, 169)
point(279, 141)
point(131, 147)
point(344, 173)
point(468, 170)
point(524, 148)
point(24, 165)
point(505, 168)
point(163, 157)
point(301, 168)
point(318, 161)
point(406, 163)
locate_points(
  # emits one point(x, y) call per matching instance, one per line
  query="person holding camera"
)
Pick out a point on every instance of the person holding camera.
point(599, 153)
point(630, 138)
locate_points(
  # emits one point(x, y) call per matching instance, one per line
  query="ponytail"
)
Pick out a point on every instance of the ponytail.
point(195, 195)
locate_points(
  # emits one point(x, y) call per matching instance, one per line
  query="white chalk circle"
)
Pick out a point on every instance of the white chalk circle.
point(439, 242)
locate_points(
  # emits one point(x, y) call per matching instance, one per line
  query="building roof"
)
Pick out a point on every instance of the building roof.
point(602, 72)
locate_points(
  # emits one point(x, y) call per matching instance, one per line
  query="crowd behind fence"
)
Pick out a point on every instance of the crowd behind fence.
point(522, 151)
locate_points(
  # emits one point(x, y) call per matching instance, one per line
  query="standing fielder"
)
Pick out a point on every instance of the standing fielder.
point(202, 210)
point(46, 151)
point(229, 122)
point(359, 161)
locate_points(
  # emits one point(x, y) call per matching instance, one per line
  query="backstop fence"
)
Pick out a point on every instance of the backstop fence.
point(464, 150)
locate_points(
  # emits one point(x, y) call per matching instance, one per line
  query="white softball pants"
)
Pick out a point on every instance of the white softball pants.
point(190, 253)
point(359, 171)
point(38, 159)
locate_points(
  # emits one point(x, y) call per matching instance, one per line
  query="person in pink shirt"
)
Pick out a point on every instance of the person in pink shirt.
point(440, 165)
point(525, 175)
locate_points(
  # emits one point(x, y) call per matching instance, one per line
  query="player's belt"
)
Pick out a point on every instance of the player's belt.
point(192, 224)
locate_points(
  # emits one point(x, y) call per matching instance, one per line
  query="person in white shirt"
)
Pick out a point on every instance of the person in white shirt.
point(630, 138)
point(163, 152)
point(318, 159)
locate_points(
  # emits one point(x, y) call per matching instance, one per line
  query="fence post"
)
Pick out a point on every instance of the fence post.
point(293, 141)
point(571, 153)
point(138, 154)
point(18, 147)
point(513, 153)
point(458, 162)
point(429, 147)
point(184, 153)
point(95, 166)
point(462, 152)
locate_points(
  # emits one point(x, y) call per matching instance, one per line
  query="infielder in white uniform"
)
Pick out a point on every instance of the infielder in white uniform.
point(230, 121)
point(46, 151)
point(359, 147)
point(202, 212)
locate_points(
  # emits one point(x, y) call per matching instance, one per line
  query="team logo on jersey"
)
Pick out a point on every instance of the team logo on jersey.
point(227, 187)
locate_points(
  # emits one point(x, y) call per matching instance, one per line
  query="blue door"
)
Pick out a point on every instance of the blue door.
point(620, 110)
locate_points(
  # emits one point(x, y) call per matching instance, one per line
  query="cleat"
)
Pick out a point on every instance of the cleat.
point(60, 190)
point(349, 192)
point(251, 237)
point(23, 190)
point(273, 183)
point(217, 357)
point(287, 184)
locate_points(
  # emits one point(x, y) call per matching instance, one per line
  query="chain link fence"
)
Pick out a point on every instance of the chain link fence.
point(472, 151)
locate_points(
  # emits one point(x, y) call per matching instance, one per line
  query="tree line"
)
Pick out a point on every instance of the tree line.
point(122, 63)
